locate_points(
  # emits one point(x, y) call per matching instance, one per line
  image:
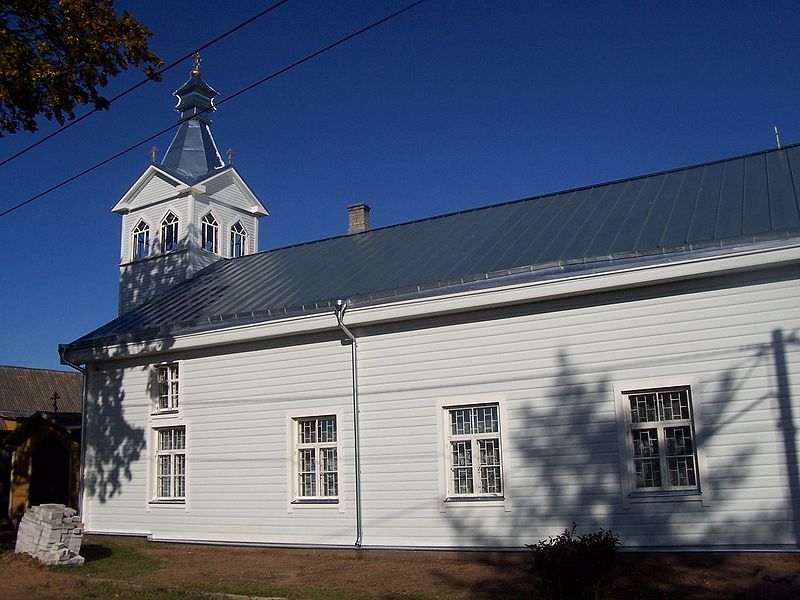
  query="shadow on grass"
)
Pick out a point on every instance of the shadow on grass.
point(508, 577)
point(93, 552)
point(113, 561)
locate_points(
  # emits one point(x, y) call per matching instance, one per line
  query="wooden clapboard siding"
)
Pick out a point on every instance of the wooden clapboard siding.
point(556, 370)
point(553, 365)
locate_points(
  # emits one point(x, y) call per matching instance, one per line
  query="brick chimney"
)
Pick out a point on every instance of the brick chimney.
point(357, 218)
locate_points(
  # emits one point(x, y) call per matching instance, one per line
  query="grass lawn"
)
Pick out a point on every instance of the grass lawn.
point(109, 564)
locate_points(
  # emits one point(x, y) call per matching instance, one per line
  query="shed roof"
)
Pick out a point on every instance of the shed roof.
point(24, 391)
point(741, 200)
point(69, 423)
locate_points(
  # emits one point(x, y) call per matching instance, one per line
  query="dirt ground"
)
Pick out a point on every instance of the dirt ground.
point(390, 575)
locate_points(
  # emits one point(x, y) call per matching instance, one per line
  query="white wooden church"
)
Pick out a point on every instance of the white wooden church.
point(625, 356)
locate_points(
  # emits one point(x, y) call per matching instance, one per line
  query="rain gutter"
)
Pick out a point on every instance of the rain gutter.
point(83, 372)
point(339, 308)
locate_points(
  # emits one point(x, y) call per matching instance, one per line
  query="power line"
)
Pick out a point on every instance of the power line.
point(174, 63)
point(231, 97)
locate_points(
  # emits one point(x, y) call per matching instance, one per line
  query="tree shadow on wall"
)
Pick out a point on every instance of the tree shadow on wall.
point(565, 442)
point(112, 444)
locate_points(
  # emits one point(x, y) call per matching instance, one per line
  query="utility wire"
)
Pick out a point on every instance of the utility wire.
point(174, 63)
point(231, 97)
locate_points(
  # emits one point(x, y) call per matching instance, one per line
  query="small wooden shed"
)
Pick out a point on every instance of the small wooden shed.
point(46, 463)
point(40, 420)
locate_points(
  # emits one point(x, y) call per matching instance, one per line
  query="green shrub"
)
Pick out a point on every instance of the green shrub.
point(575, 566)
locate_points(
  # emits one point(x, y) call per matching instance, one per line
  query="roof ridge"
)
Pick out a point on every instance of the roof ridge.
point(527, 199)
point(40, 369)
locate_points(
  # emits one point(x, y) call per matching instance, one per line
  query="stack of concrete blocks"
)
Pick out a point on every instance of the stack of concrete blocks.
point(52, 533)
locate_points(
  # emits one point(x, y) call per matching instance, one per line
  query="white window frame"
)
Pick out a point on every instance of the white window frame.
point(209, 229)
point(295, 446)
point(167, 388)
point(632, 494)
point(140, 232)
point(238, 230)
point(170, 223)
point(450, 499)
point(176, 456)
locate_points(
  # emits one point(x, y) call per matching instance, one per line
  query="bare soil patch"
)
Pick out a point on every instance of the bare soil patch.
point(393, 575)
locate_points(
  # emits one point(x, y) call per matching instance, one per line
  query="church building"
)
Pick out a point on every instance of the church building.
point(624, 355)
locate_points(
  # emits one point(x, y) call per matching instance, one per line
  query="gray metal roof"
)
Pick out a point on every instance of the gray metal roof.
point(192, 152)
point(736, 201)
point(25, 391)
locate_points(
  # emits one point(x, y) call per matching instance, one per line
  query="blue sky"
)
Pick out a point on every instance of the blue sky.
point(453, 105)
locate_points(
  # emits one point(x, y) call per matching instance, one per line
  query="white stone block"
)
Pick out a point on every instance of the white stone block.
point(52, 533)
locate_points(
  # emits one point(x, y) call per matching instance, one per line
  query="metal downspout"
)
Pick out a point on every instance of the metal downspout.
point(340, 309)
point(82, 370)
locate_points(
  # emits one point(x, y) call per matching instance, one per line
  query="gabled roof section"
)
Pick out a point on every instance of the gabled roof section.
point(735, 202)
point(157, 184)
point(25, 391)
point(154, 185)
point(229, 183)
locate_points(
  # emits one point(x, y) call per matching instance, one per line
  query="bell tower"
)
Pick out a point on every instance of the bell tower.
point(187, 212)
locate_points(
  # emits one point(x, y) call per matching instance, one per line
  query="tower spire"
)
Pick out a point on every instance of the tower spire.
point(193, 153)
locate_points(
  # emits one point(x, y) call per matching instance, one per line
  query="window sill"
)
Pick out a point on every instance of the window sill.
point(165, 414)
point(166, 502)
point(315, 502)
point(474, 501)
point(677, 496)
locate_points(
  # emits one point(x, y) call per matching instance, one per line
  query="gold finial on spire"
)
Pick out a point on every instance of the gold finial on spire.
point(230, 156)
point(196, 68)
point(153, 151)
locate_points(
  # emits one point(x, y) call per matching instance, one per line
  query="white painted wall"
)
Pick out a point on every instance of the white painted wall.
point(553, 366)
point(236, 409)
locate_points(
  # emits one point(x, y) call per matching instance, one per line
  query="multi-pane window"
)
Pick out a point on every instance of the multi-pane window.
point(238, 240)
point(168, 387)
point(661, 439)
point(317, 458)
point(171, 463)
point(141, 240)
point(210, 233)
point(169, 232)
point(473, 451)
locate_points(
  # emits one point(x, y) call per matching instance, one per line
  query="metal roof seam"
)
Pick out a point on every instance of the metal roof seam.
point(672, 209)
point(537, 197)
point(794, 181)
point(559, 266)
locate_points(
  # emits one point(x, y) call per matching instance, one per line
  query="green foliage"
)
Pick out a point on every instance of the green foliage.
point(575, 566)
point(107, 559)
point(103, 590)
point(268, 591)
point(55, 54)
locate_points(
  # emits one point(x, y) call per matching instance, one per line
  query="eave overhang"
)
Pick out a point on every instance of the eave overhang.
point(515, 289)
